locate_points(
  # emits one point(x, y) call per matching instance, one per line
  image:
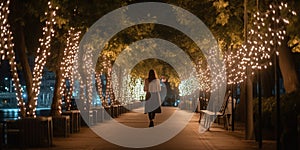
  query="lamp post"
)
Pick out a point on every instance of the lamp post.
point(277, 91)
point(259, 109)
point(233, 108)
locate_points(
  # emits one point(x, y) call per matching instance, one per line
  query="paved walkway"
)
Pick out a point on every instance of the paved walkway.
point(189, 138)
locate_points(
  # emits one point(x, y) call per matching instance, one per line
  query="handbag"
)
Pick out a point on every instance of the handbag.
point(148, 95)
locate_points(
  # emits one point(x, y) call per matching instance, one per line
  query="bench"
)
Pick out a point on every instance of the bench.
point(210, 115)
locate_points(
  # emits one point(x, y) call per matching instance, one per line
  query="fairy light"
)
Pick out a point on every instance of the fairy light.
point(7, 52)
point(203, 74)
point(104, 71)
point(79, 81)
point(236, 73)
point(42, 53)
point(216, 70)
point(116, 85)
point(267, 32)
point(109, 96)
point(126, 94)
point(67, 66)
point(85, 79)
point(188, 86)
point(99, 86)
point(206, 72)
point(109, 90)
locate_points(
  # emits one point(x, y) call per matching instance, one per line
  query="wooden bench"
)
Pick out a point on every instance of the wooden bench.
point(210, 115)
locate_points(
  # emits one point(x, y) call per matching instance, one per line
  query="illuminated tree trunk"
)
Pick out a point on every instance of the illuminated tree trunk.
point(55, 111)
point(249, 108)
point(7, 52)
point(20, 46)
point(288, 69)
point(249, 132)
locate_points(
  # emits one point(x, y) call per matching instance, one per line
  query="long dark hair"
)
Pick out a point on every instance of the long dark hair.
point(151, 75)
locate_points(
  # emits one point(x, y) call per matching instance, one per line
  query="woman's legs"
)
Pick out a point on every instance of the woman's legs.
point(151, 116)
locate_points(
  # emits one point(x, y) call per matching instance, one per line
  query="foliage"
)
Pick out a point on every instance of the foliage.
point(162, 68)
point(223, 17)
point(293, 29)
point(289, 109)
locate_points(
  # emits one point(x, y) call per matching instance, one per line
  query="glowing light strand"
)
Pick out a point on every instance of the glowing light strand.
point(67, 67)
point(267, 31)
point(42, 53)
point(7, 52)
point(236, 72)
point(99, 86)
point(203, 74)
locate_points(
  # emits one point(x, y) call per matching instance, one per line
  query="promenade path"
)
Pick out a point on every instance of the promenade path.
point(217, 138)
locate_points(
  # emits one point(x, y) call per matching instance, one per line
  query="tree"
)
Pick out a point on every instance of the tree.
point(33, 78)
point(7, 52)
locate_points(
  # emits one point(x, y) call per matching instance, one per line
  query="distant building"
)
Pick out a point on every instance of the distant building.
point(8, 95)
point(47, 89)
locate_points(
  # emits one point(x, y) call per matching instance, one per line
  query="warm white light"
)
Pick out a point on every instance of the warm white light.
point(42, 52)
point(7, 52)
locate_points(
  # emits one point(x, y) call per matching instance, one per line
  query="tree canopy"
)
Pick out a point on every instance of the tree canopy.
point(223, 17)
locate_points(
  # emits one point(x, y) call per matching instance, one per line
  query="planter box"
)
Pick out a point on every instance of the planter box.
point(100, 114)
point(10, 135)
point(61, 126)
point(114, 111)
point(27, 132)
point(1, 135)
point(107, 114)
point(75, 120)
point(36, 132)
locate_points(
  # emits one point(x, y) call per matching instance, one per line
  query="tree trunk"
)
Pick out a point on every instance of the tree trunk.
point(267, 82)
point(249, 85)
point(249, 108)
point(20, 46)
point(55, 111)
point(241, 107)
point(288, 68)
point(56, 100)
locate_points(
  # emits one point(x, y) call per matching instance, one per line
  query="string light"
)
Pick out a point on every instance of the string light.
point(126, 92)
point(99, 85)
point(109, 93)
point(203, 74)
point(236, 72)
point(267, 32)
point(42, 53)
point(67, 66)
point(7, 52)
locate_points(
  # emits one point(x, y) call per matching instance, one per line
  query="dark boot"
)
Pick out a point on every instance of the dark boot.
point(151, 124)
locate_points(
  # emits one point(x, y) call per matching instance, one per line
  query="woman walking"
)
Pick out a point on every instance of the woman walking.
point(152, 105)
